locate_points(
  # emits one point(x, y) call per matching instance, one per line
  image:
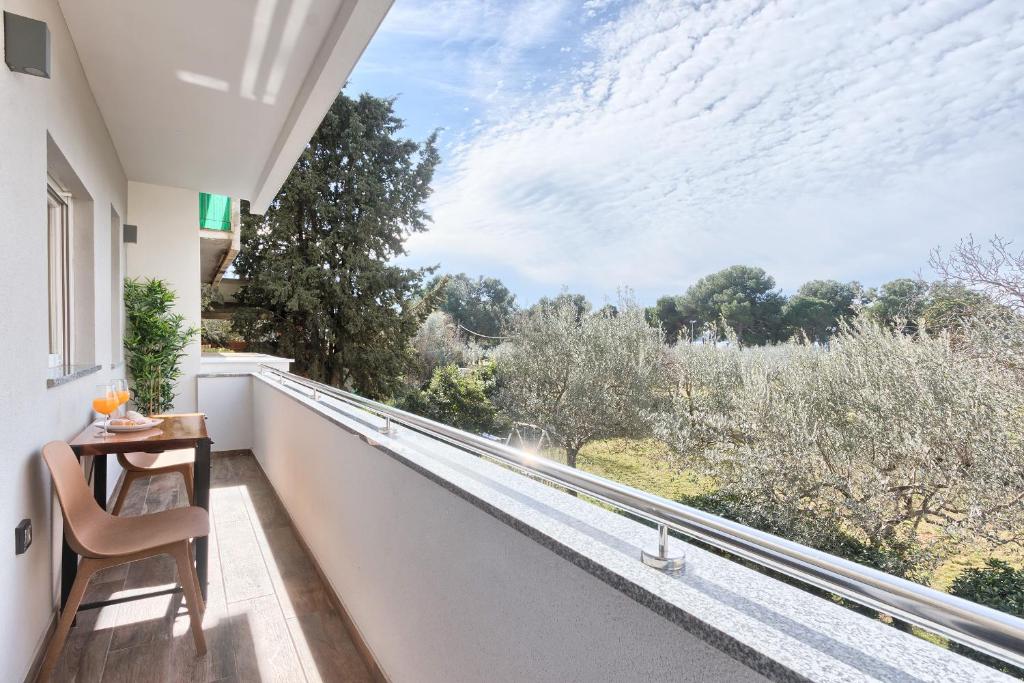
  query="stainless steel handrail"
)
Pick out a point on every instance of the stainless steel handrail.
point(987, 630)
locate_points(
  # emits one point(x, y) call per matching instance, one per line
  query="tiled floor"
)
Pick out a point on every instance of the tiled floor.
point(268, 616)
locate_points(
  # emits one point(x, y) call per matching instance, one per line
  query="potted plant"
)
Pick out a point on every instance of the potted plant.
point(154, 342)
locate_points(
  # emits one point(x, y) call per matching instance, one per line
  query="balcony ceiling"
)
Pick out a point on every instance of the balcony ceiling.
point(217, 96)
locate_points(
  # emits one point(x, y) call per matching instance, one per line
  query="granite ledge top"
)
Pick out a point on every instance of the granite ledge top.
point(62, 375)
point(774, 628)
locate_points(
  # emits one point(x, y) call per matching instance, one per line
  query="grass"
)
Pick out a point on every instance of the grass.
point(642, 464)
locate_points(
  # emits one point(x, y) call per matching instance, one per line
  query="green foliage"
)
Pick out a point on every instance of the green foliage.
point(811, 317)
point(824, 532)
point(436, 343)
point(484, 305)
point(460, 399)
point(208, 296)
point(950, 306)
point(996, 585)
point(322, 287)
point(900, 302)
point(742, 298)
point(217, 333)
point(578, 303)
point(674, 317)
point(581, 377)
point(883, 432)
point(154, 342)
point(820, 306)
point(456, 397)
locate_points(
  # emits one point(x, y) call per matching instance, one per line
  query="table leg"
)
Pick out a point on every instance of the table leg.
point(99, 480)
point(68, 571)
point(202, 487)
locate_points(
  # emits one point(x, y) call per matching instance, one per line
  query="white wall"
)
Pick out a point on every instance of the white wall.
point(227, 402)
point(168, 249)
point(30, 413)
point(443, 591)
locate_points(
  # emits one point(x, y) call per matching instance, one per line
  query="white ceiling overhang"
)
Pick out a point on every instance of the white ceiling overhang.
point(218, 96)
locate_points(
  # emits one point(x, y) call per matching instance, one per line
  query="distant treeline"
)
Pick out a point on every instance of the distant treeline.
point(744, 299)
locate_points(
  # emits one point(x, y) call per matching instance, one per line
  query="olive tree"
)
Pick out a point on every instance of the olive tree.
point(436, 344)
point(581, 376)
point(882, 433)
point(995, 268)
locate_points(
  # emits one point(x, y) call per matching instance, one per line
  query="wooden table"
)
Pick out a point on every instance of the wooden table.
point(177, 431)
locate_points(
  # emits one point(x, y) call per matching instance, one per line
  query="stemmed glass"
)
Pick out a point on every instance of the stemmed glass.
point(120, 387)
point(105, 401)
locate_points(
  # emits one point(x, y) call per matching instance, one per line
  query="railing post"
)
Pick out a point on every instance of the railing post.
point(662, 560)
point(386, 429)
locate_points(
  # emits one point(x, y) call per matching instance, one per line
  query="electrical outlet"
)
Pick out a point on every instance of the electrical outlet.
point(22, 536)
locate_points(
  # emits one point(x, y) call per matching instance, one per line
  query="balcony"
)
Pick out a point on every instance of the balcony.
point(268, 613)
point(447, 566)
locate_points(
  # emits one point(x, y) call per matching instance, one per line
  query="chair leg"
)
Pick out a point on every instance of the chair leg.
point(195, 577)
point(122, 495)
point(85, 571)
point(190, 483)
point(186, 576)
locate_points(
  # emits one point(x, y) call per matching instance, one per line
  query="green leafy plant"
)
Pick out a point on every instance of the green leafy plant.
point(996, 585)
point(154, 342)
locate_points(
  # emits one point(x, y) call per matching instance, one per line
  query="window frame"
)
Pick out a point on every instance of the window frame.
point(59, 275)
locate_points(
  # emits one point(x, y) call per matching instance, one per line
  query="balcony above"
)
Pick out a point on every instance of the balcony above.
point(219, 97)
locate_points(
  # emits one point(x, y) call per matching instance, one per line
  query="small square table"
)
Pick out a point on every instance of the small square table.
point(187, 430)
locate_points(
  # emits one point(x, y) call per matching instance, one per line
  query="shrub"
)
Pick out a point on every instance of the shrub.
point(218, 333)
point(996, 585)
point(437, 343)
point(456, 397)
point(155, 341)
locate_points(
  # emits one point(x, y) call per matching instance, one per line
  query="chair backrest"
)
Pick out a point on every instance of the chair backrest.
point(82, 516)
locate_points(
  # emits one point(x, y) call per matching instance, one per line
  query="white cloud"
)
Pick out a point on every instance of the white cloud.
point(812, 137)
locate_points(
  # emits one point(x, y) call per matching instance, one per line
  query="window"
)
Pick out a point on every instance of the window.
point(117, 259)
point(58, 240)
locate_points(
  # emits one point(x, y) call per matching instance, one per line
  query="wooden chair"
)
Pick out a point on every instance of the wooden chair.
point(138, 465)
point(103, 540)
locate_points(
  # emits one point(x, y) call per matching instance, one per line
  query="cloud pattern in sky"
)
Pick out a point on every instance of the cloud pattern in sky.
point(599, 144)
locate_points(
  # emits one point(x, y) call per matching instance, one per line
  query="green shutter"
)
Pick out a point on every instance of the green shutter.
point(214, 211)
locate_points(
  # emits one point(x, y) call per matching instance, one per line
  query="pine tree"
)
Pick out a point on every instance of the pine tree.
point(320, 284)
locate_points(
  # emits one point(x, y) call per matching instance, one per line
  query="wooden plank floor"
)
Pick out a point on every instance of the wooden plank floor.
point(268, 615)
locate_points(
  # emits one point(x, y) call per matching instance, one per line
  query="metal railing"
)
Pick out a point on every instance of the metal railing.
point(987, 630)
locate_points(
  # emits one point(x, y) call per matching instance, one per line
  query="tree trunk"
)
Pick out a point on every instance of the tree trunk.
point(570, 456)
point(570, 460)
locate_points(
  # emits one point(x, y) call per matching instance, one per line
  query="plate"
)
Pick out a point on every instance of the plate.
point(153, 422)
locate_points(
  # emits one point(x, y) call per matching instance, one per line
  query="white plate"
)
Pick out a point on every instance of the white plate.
point(134, 428)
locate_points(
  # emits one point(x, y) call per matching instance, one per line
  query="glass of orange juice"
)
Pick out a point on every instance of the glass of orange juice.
point(123, 395)
point(105, 401)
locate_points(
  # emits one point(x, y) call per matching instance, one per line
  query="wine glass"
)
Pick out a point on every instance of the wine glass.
point(120, 387)
point(105, 401)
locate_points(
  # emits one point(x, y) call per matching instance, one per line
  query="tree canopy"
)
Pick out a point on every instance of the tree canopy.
point(819, 307)
point(581, 376)
point(674, 316)
point(900, 301)
point(483, 305)
point(743, 297)
point(320, 284)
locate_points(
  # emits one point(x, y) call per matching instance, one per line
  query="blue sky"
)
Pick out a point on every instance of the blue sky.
point(595, 144)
